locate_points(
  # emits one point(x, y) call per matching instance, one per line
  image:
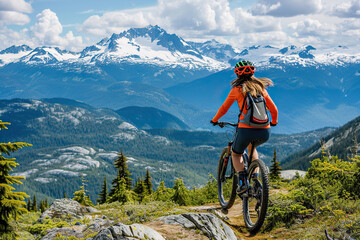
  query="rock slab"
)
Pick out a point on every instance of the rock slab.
point(208, 223)
point(65, 207)
point(128, 232)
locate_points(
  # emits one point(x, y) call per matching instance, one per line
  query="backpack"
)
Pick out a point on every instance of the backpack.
point(257, 115)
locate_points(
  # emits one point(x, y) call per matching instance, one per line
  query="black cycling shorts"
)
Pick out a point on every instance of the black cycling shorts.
point(244, 136)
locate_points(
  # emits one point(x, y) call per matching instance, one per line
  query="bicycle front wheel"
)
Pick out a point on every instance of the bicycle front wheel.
point(227, 181)
point(256, 203)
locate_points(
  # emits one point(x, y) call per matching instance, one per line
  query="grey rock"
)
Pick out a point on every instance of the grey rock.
point(128, 232)
point(104, 235)
point(77, 223)
point(208, 223)
point(65, 232)
point(94, 227)
point(65, 207)
point(178, 219)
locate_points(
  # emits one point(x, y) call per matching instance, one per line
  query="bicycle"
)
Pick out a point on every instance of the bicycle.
point(255, 200)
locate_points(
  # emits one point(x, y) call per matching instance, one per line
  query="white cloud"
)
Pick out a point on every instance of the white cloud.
point(13, 18)
point(350, 9)
point(12, 12)
point(188, 18)
point(47, 31)
point(286, 8)
point(15, 5)
point(211, 16)
point(312, 27)
point(117, 21)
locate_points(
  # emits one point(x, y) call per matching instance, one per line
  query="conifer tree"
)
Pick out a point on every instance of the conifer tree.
point(46, 203)
point(11, 203)
point(181, 193)
point(121, 194)
point(148, 183)
point(103, 194)
point(42, 206)
point(28, 205)
point(80, 195)
point(122, 173)
point(162, 193)
point(34, 204)
point(140, 189)
point(275, 170)
point(65, 196)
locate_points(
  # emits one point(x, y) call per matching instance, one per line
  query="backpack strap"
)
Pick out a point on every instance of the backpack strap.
point(242, 108)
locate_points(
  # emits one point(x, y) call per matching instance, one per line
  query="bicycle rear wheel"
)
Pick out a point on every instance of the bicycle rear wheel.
point(256, 203)
point(227, 181)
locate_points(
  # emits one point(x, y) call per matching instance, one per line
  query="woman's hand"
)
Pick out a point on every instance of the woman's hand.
point(213, 123)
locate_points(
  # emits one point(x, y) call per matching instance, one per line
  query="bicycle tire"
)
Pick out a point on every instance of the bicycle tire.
point(261, 183)
point(226, 204)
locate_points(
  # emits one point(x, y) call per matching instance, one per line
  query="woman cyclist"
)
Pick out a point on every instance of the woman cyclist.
point(245, 134)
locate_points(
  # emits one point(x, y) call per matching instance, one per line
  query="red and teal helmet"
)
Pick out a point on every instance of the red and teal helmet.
point(244, 67)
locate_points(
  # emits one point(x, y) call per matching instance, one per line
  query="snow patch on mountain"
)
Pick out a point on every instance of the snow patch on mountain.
point(26, 174)
point(127, 126)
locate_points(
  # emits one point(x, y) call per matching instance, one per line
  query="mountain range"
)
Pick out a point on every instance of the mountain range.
point(148, 67)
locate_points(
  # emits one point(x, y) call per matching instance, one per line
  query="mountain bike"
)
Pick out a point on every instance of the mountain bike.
point(255, 200)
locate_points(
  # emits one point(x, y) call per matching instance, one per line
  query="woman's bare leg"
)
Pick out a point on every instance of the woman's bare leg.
point(237, 161)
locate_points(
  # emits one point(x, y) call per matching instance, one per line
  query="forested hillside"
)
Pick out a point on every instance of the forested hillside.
point(344, 143)
point(71, 138)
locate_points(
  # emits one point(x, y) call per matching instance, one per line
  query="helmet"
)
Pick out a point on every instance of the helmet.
point(244, 67)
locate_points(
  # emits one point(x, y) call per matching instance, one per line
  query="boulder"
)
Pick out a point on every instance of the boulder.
point(208, 223)
point(65, 232)
point(65, 207)
point(128, 232)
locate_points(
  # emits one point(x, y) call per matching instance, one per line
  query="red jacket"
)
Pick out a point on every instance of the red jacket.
point(236, 94)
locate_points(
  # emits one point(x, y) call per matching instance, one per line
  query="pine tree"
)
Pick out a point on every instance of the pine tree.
point(122, 173)
point(121, 194)
point(42, 206)
point(80, 195)
point(46, 203)
point(162, 193)
point(11, 203)
point(34, 204)
point(28, 205)
point(181, 193)
point(65, 196)
point(275, 170)
point(148, 183)
point(103, 194)
point(140, 189)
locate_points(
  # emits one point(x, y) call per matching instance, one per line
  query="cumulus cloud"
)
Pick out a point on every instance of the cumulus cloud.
point(349, 9)
point(47, 31)
point(212, 16)
point(12, 12)
point(286, 8)
point(117, 21)
point(312, 27)
point(189, 18)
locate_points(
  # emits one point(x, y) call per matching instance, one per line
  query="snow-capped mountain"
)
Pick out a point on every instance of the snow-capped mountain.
point(150, 45)
point(216, 50)
point(134, 67)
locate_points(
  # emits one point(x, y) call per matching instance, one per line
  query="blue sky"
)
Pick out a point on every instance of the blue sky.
point(78, 23)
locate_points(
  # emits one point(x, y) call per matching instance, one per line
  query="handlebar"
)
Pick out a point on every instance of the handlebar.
point(223, 124)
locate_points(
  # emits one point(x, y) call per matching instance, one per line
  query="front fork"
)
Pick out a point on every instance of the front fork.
point(226, 162)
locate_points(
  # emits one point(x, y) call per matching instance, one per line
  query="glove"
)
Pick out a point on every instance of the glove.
point(213, 123)
point(272, 124)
